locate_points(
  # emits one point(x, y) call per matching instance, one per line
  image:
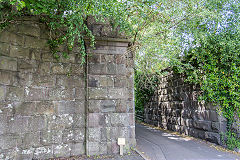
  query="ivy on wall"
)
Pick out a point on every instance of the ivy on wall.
point(215, 66)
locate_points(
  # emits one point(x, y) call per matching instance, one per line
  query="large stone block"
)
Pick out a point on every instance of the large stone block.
point(15, 93)
point(120, 119)
point(49, 137)
point(94, 134)
point(18, 124)
point(213, 137)
point(43, 152)
point(111, 68)
point(9, 141)
point(201, 124)
point(69, 107)
point(97, 69)
point(76, 69)
point(79, 121)
point(12, 38)
point(94, 106)
point(121, 69)
point(35, 54)
point(45, 108)
point(8, 63)
point(77, 149)
point(8, 78)
point(94, 58)
point(31, 139)
point(3, 124)
point(43, 80)
point(25, 79)
point(27, 66)
point(33, 42)
point(64, 121)
point(98, 93)
point(61, 68)
point(70, 81)
point(26, 109)
point(120, 82)
point(80, 93)
point(27, 29)
point(122, 106)
point(107, 58)
point(60, 94)
point(36, 94)
point(19, 52)
point(37, 123)
point(44, 68)
point(93, 148)
point(4, 49)
point(117, 93)
point(2, 93)
point(106, 81)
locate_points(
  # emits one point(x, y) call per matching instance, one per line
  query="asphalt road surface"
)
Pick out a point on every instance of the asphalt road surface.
point(159, 145)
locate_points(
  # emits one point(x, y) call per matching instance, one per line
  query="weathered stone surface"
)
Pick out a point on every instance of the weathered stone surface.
point(27, 66)
point(70, 81)
point(61, 122)
point(18, 124)
point(2, 93)
point(26, 108)
point(175, 107)
point(3, 124)
point(35, 94)
point(45, 108)
point(69, 107)
point(8, 78)
point(51, 137)
point(77, 149)
point(61, 68)
point(32, 42)
point(119, 119)
point(7, 63)
point(93, 148)
point(19, 52)
point(43, 80)
point(14, 93)
point(31, 140)
point(9, 141)
point(58, 94)
point(37, 123)
point(46, 104)
point(11, 38)
point(212, 137)
point(117, 93)
point(43, 152)
point(31, 30)
point(97, 69)
point(98, 93)
point(94, 134)
point(4, 49)
point(44, 68)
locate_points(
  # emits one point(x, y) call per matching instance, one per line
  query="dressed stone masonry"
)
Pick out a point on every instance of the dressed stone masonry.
point(175, 107)
point(59, 108)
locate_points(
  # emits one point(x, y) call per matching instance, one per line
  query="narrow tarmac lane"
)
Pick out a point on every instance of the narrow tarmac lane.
point(159, 145)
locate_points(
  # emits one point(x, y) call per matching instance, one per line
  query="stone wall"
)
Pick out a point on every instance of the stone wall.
point(175, 107)
point(60, 108)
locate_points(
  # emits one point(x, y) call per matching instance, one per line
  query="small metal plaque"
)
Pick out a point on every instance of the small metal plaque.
point(121, 141)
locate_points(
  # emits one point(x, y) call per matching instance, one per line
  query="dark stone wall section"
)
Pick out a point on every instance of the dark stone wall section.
point(175, 107)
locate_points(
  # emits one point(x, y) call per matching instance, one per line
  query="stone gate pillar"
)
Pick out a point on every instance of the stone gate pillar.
point(110, 109)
